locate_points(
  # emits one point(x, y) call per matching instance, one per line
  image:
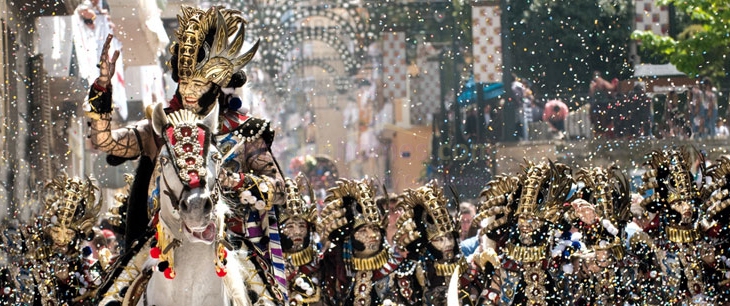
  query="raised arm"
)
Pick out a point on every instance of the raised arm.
point(123, 142)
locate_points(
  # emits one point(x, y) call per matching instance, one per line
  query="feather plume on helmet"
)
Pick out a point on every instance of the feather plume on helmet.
point(71, 204)
point(669, 179)
point(540, 191)
point(424, 215)
point(198, 55)
point(607, 192)
point(349, 205)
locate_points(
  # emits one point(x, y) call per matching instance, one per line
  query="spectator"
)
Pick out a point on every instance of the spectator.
point(709, 100)
point(721, 130)
point(697, 114)
point(489, 135)
point(602, 96)
point(393, 214)
point(555, 114)
point(467, 211)
point(638, 105)
point(471, 125)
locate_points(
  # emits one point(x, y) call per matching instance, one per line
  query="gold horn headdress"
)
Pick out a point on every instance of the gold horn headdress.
point(222, 57)
point(609, 190)
point(71, 203)
point(296, 205)
point(669, 176)
point(545, 187)
point(362, 207)
point(719, 189)
point(540, 190)
point(435, 217)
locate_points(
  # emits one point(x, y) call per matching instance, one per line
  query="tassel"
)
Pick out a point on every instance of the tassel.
point(220, 264)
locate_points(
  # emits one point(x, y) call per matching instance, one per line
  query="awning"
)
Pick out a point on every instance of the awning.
point(469, 93)
point(648, 70)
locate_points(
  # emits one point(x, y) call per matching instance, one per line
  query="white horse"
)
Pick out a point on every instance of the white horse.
point(191, 263)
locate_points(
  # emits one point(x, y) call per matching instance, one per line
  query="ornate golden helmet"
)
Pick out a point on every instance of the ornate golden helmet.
point(670, 178)
point(539, 191)
point(71, 204)
point(220, 58)
point(607, 189)
point(545, 187)
point(296, 205)
point(423, 208)
point(351, 203)
point(719, 190)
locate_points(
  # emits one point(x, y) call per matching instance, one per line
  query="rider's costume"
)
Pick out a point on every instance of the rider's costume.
point(206, 52)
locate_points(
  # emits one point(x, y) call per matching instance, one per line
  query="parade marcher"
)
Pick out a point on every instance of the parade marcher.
point(53, 244)
point(358, 263)
point(599, 214)
point(429, 235)
point(715, 224)
point(527, 209)
point(676, 200)
point(206, 65)
point(298, 219)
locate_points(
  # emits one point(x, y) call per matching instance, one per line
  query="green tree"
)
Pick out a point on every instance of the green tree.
point(702, 47)
point(558, 44)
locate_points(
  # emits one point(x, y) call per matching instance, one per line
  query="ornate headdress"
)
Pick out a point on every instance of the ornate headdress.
point(351, 198)
point(609, 191)
point(671, 181)
point(670, 178)
point(540, 191)
point(296, 205)
point(71, 203)
point(220, 59)
point(544, 190)
point(719, 190)
point(425, 206)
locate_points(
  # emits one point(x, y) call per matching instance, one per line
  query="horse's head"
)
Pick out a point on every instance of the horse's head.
point(189, 164)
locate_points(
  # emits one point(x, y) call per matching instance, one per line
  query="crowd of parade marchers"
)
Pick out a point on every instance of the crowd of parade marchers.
point(548, 235)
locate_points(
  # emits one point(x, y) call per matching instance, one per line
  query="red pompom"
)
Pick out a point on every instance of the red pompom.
point(221, 271)
point(155, 252)
point(225, 253)
point(169, 273)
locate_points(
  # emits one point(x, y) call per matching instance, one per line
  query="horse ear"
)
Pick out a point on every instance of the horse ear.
point(211, 119)
point(159, 118)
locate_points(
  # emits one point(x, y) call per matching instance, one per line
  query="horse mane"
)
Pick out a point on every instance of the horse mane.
point(235, 287)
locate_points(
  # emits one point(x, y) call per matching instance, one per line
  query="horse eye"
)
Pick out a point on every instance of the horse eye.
point(216, 156)
point(164, 160)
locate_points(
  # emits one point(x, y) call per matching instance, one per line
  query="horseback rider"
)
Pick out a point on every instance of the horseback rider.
point(206, 65)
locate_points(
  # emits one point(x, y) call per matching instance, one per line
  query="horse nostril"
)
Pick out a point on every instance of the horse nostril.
point(208, 206)
point(183, 205)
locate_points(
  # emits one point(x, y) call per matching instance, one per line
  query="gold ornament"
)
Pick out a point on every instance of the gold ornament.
point(433, 203)
point(221, 59)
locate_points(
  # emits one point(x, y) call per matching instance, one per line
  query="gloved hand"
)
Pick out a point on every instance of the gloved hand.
point(100, 94)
